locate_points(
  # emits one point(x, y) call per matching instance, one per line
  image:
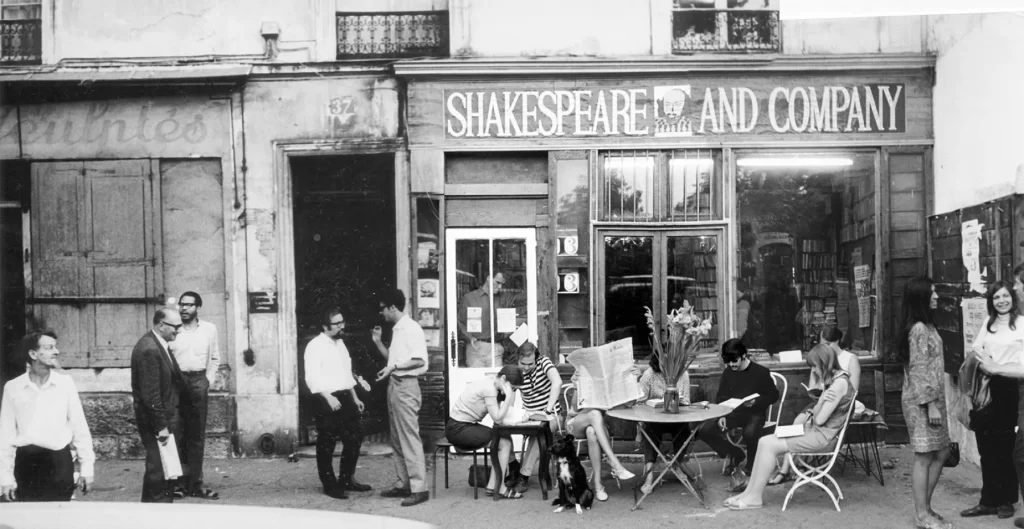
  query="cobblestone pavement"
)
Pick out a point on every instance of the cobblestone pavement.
point(279, 483)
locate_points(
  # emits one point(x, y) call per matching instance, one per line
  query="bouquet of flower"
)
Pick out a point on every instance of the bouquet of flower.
point(685, 331)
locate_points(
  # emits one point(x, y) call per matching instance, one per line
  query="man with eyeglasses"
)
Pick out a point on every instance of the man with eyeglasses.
point(742, 377)
point(337, 408)
point(156, 388)
point(197, 351)
point(41, 419)
point(482, 349)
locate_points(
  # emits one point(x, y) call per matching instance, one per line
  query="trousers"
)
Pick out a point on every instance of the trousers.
point(43, 474)
point(343, 425)
point(404, 401)
point(194, 405)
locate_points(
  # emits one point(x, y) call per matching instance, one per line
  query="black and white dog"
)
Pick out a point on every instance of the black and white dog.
point(573, 487)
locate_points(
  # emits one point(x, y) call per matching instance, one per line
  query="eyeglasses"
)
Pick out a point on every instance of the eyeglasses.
point(336, 323)
point(173, 326)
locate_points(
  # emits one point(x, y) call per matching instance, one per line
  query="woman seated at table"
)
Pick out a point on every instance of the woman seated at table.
point(589, 423)
point(830, 336)
point(652, 383)
point(490, 396)
point(820, 429)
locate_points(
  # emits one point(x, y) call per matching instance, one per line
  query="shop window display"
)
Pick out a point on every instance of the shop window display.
point(806, 226)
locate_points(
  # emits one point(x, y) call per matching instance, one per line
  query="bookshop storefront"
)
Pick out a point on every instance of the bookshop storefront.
point(775, 202)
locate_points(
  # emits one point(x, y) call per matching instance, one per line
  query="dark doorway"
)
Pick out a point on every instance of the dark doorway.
point(344, 218)
point(13, 196)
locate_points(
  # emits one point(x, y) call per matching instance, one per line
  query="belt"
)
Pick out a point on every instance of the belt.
point(193, 373)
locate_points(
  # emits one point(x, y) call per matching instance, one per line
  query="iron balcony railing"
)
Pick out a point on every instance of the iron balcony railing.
point(725, 30)
point(392, 35)
point(21, 42)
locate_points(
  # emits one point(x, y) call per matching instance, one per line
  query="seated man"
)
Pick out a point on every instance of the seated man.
point(741, 378)
point(541, 390)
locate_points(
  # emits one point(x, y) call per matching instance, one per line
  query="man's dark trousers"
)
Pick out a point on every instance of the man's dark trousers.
point(155, 488)
point(332, 426)
point(195, 399)
point(752, 425)
point(43, 474)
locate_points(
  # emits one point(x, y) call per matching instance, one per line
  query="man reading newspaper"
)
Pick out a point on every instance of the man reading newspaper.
point(741, 379)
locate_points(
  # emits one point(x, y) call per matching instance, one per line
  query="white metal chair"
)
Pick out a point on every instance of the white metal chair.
point(734, 436)
point(808, 471)
point(567, 389)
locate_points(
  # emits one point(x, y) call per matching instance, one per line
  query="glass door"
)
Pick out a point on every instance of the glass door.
point(491, 300)
point(663, 270)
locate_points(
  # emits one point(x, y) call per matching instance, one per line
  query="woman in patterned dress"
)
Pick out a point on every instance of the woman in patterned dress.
point(924, 396)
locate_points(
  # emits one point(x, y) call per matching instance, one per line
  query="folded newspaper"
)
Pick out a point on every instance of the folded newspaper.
point(169, 458)
point(605, 375)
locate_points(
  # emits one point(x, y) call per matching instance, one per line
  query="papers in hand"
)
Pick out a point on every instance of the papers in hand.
point(169, 458)
point(732, 404)
point(792, 430)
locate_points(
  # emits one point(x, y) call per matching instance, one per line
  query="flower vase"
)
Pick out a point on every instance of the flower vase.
point(672, 400)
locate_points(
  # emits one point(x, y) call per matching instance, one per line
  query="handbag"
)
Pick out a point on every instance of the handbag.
point(479, 475)
point(954, 456)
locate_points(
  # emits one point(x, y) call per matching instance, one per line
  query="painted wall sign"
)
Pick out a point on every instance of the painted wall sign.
point(264, 302)
point(677, 110)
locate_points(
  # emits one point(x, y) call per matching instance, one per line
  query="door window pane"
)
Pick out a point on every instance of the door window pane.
point(491, 286)
point(628, 268)
point(806, 223)
point(692, 265)
point(629, 187)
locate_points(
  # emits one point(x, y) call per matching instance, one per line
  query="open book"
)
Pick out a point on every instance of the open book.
point(655, 403)
point(793, 430)
point(732, 404)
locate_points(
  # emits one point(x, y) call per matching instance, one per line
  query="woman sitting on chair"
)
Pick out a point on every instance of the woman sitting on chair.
point(589, 423)
point(820, 429)
point(490, 396)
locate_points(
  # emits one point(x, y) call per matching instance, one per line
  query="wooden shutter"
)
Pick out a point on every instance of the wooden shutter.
point(101, 309)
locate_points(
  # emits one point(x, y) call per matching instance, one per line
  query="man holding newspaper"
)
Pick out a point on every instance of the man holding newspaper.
point(741, 380)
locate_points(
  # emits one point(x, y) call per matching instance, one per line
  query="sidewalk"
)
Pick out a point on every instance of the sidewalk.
point(278, 483)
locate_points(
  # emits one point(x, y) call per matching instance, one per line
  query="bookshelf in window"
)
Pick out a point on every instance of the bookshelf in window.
point(818, 295)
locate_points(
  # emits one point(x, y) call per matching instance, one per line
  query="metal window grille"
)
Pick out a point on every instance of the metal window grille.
point(725, 30)
point(392, 35)
point(21, 42)
point(661, 186)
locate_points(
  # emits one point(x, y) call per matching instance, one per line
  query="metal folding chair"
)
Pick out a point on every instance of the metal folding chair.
point(814, 467)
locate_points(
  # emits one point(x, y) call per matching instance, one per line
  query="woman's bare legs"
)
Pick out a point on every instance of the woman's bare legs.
point(594, 449)
point(768, 449)
point(592, 422)
point(920, 480)
point(934, 472)
point(504, 451)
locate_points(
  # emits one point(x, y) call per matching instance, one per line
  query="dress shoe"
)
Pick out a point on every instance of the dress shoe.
point(396, 492)
point(1019, 522)
point(336, 493)
point(1004, 511)
point(355, 486)
point(979, 510)
point(416, 499)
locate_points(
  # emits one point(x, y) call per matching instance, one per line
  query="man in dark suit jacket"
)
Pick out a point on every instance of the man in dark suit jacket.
point(156, 383)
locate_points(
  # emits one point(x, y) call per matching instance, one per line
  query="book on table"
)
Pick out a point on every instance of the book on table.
point(655, 403)
point(732, 404)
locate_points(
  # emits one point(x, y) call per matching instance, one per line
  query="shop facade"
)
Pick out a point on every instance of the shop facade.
point(775, 197)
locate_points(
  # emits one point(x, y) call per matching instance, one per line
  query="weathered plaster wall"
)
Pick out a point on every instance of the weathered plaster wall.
point(854, 35)
point(390, 5)
point(180, 28)
point(979, 151)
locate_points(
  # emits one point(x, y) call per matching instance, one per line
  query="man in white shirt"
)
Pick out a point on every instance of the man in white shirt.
point(337, 408)
point(198, 354)
point(407, 359)
point(41, 418)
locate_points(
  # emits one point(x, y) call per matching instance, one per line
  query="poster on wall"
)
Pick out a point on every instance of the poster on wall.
point(862, 280)
point(428, 293)
point(864, 312)
point(974, 314)
point(970, 250)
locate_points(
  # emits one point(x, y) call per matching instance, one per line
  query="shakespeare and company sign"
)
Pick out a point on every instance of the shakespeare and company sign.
point(679, 110)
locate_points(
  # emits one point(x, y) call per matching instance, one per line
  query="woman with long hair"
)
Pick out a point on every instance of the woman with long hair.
point(653, 384)
point(924, 395)
point(1000, 341)
point(821, 428)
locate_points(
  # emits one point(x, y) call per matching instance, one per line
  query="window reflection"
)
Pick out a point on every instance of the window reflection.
point(491, 287)
point(628, 262)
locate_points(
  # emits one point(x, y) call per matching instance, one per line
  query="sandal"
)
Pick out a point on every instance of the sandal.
point(205, 494)
point(780, 478)
point(179, 493)
point(488, 492)
point(511, 494)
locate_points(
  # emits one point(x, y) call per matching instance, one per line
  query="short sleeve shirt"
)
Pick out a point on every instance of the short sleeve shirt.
point(471, 405)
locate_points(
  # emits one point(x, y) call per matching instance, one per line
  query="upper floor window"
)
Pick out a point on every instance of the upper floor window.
point(390, 35)
point(725, 25)
point(21, 40)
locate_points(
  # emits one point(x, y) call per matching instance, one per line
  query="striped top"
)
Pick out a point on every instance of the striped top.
point(537, 386)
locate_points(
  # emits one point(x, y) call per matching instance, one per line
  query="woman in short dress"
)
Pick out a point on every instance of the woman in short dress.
point(924, 396)
point(821, 428)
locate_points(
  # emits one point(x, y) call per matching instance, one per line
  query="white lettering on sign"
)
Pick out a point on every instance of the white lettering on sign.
point(674, 111)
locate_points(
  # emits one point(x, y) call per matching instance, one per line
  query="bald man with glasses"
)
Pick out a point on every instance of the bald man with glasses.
point(156, 387)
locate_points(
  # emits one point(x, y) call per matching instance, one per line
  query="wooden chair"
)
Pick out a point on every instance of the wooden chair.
point(813, 467)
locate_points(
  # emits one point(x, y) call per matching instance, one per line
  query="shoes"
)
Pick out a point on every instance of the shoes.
point(335, 492)
point(522, 484)
point(780, 478)
point(1019, 522)
point(1004, 511)
point(205, 494)
point(979, 510)
point(355, 486)
point(646, 489)
point(622, 473)
point(416, 498)
point(600, 494)
point(396, 492)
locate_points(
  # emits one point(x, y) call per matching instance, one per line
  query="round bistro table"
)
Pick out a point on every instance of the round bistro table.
point(696, 414)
